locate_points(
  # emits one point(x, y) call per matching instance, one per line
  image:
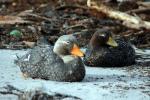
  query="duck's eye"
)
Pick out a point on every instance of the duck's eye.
point(66, 42)
point(102, 35)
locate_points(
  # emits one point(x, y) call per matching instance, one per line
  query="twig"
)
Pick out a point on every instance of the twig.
point(34, 15)
point(143, 10)
point(144, 4)
point(75, 26)
point(70, 6)
point(144, 45)
point(134, 33)
point(12, 20)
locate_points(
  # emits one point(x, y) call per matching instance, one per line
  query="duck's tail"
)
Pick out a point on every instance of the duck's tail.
point(16, 60)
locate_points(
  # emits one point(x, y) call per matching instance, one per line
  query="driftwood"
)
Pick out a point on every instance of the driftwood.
point(128, 20)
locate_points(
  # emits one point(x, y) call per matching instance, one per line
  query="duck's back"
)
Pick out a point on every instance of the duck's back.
point(122, 55)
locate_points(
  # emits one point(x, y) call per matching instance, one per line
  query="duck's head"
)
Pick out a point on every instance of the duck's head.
point(102, 38)
point(67, 45)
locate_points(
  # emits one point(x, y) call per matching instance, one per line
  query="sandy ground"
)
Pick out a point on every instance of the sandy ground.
point(126, 83)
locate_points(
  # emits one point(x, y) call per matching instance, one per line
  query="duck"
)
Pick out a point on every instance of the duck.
point(61, 62)
point(104, 50)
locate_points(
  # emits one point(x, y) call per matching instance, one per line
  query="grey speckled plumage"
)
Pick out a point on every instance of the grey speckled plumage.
point(42, 62)
point(108, 56)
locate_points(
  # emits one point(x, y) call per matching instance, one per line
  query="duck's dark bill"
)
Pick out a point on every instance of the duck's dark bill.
point(76, 51)
point(112, 42)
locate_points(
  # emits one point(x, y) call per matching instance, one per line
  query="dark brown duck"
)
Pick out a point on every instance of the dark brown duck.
point(104, 51)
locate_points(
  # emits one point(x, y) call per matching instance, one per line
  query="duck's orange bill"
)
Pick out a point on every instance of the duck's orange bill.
point(76, 51)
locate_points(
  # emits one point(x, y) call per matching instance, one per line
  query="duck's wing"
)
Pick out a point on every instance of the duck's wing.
point(58, 70)
point(36, 62)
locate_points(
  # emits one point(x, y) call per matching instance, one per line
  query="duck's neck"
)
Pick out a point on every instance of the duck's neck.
point(95, 43)
point(68, 58)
